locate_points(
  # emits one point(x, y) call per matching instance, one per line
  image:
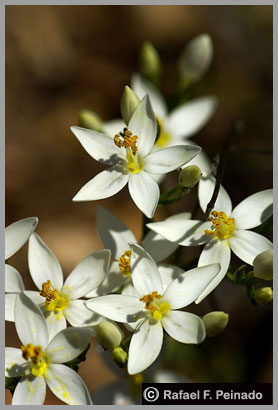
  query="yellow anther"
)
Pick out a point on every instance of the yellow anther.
point(149, 299)
point(37, 357)
point(124, 263)
point(164, 307)
point(157, 315)
point(127, 141)
point(53, 299)
point(223, 225)
point(158, 309)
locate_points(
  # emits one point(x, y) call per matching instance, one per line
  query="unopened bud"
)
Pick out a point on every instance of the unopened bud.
point(89, 119)
point(108, 335)
point(189, 176)
point(263, 295)
point(129, 102)
point(196, 58)
point(149, 61)
point(215, 322)
point(119, 356)
point(263, 265)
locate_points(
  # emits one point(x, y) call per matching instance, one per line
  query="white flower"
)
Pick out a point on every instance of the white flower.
point(154, 309)
point(131, 161)
point(227, 231)
point(38, 362)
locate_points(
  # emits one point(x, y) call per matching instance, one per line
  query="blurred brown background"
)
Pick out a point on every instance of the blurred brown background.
point(60, 59)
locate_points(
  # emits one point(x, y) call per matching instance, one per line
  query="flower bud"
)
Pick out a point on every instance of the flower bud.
point(215, 322)
point(189, 176)
point(196, 58)
point(119, 356)
point(108, 335)
point(129, 102)
point(263, 295)
point(89, 119)
point(149, 61)
point(263, 265)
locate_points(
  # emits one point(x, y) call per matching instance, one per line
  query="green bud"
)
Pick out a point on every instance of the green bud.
point(215, 322)
point(196, 58)
point(129, 102)
point(119, 356)
point(263, 265)
point(108, 335)
point(189, 176)
point(149, 62)
point(263, 295)
point(89, 119)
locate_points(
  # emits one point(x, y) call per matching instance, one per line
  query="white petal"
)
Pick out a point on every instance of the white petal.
point(88, 274)
point(35, 297)
point(188, 286)
point(113, 127)
point(105, 184)
point(254, 210)
point(29, 391)
point(184, 327)
point(168, 273)
point(145, 346)
point(143, 124)
point(56, 322)
point(189, 118)
point(205, 191)
point(78, 315)
point(17, 234)
point(68, 344)
point(144, 272)
point(113, 281)
point(144, 191)
point(113, 233)
point(67, 385)
point(116, 307)
point(169, 159)
point(130, 290)
point(142, 87)
point(201, 160)
point(158, 247)
point(247, 245)
point(178, 228)
point(13, 280)
point(29, 322)
point(43, 264)
point(9, 306)
point(99, 146)
point(15, 364)
point(215, 252)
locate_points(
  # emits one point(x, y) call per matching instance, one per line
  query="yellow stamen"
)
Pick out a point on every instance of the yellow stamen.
point(157, 309)
point(55, 300)
point(127, 141)
point(124, 263)
point(223, 225)
point(164, 136)
point(37, 357)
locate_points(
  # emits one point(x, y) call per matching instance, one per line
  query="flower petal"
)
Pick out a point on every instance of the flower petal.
point(116, 307)
point(29, 322)
point(144, 191)
point(189, 118)
point(145, 346)
point(67, 385)
point(88, 274)
point(29, 391)
point(188, 286)
point(113, 127)
point(9, 306)
point(205, 191)
point(17, 234)
point(43, 264)
point(99, 146)
point(157, 246)
point(201, 160)
point(215, 252)
point(178, 228)
point(35, 296)
point(144, 272)
point(56, 322)
point(169, 159)
point(68, 344)
point(78, 315)
point(13, 280)
point(168, 273)
point(254, 210)
point(247, 245)
point(15, 364)
point(111, 283)
point(143, 124)
point(105, 184)
point(184, 327)
point(113, 233)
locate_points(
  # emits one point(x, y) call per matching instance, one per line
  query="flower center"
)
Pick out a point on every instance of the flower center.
point(164, 136)
point(223, 225)
point(128, 141)
point(158, 309)
point(124, 263)
point(38, 358)
point(54, 300)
